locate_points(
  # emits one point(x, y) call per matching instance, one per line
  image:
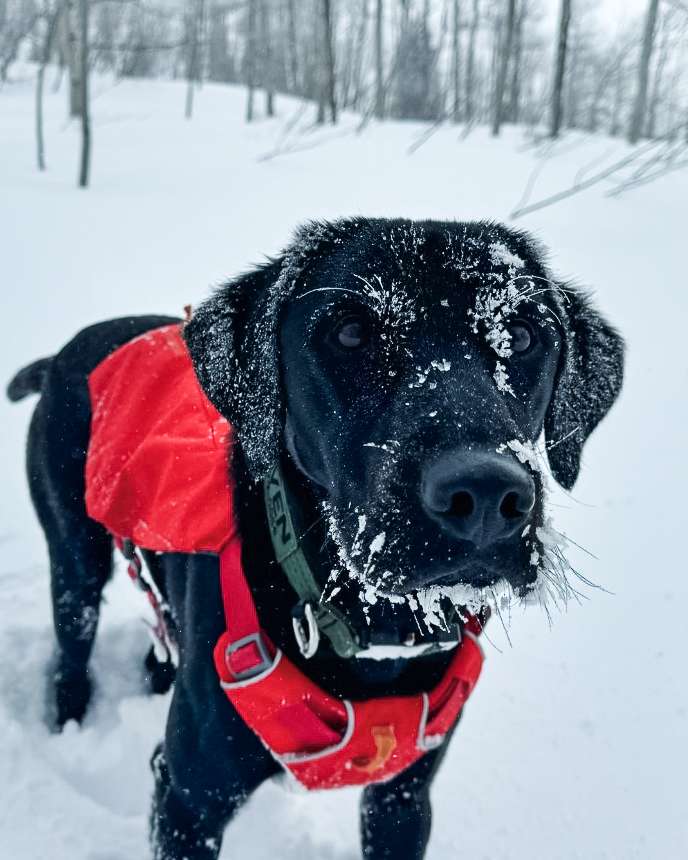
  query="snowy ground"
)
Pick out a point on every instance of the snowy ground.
point(575, 745)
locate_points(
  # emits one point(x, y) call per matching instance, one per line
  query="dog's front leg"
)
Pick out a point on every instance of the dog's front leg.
point(203, 774)
point(396, 815)
point(177, 828)
point(210, 762)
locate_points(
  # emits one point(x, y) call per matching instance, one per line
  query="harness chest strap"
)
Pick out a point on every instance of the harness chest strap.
point(324, 741)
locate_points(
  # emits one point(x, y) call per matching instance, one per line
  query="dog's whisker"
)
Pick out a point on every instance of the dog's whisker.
point(498, 610)
point(327, 290)
point(565, 567)
point(553, 286)
point(487, 638)
point(579, 546)
point(312, 526)
point(551, 445)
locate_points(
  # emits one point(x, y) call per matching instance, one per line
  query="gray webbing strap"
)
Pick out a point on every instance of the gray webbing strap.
point(292, 560)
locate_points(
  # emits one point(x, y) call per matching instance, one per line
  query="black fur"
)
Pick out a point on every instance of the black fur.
point(29, 380)
point(264, 353)
point(588, 382)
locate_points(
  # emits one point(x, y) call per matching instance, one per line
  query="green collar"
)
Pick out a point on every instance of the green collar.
point(311, 616)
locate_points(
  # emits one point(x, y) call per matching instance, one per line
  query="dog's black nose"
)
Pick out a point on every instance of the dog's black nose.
point(480, 498)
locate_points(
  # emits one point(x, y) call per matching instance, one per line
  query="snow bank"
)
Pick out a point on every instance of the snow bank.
point(575, 743)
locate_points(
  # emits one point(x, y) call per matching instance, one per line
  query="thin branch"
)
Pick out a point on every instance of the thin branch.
point(588, 183)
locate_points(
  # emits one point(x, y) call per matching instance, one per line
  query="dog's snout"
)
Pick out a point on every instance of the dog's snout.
point(481, 498)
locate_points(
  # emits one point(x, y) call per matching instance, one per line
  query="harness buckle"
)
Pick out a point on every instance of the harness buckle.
point(306, 631)
point(248, 657)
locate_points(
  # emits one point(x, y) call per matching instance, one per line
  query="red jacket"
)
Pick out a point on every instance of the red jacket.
point(158, 473)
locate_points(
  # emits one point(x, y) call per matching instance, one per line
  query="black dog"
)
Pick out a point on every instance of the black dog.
point(400, 373)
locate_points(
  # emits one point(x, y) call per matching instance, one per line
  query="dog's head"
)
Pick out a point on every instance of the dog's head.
point(408, 370)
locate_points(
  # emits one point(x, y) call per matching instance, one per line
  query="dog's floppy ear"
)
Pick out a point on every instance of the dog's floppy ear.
point(232, 342)
point(589, 380)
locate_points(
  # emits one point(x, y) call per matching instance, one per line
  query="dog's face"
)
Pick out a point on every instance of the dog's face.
point(408, 369)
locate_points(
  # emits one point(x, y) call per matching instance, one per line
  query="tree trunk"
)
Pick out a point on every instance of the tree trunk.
point(619, 88)
point(52, 25)
point(379, 61)
point(655, 98)
point(267, 71)
point(293, 48)
point(637, 124)
point(514, 111)
point(456, 63)
point(250, 59)
point(329, 97)
point(193, 69)
point(85, 165)
point(560, 68)
point(503, 65)
point(571, 84)
point(470, 60)
point(359, 52)
point(71, 27)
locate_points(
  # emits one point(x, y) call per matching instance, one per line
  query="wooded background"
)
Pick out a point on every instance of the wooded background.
point(454, 61)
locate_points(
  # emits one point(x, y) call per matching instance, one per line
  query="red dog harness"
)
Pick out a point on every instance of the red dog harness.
point(326, 742)
point(157, 473)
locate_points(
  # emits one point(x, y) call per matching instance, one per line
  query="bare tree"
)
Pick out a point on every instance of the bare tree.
point(470, 61)
point(560, 68)
point(456, 62)
point(637, 125)
point(85, 160)
point(267, 59)
point(620, 79)
point(250, 58)
point(358, 58)
point(503, 65)
point(428, 60)
point(72, 47)
point(293, 47)
point(194, 34)
point(658, 77)
point(220, 61)
point(52, 18)
point(514, 108)
point(13, 30)
point(329, 95)
point(379, 61)
point(416, 90)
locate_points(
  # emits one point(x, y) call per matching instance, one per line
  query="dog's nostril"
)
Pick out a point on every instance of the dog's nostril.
point(462, 504)
point(509, 507)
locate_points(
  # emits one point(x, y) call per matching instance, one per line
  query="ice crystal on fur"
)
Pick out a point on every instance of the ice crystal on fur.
point(429, 605)
point(501, 378)
point(526, 452)
point(394, 309)
point(442, 366)
point(501, 255)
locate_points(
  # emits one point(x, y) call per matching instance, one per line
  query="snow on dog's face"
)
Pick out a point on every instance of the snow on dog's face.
point(408, 369)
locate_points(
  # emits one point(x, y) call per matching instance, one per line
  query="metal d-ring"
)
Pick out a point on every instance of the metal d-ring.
point(306, 630)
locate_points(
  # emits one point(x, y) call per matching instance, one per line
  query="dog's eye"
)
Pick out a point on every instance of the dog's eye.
point(351, 333)
point(522, 336)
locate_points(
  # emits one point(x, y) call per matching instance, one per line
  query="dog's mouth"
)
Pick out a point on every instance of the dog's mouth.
point(399, 566)
point(475, 576)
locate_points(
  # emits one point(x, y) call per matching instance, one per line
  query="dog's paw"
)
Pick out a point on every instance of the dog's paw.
point(158, 674)
point(69, 693)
